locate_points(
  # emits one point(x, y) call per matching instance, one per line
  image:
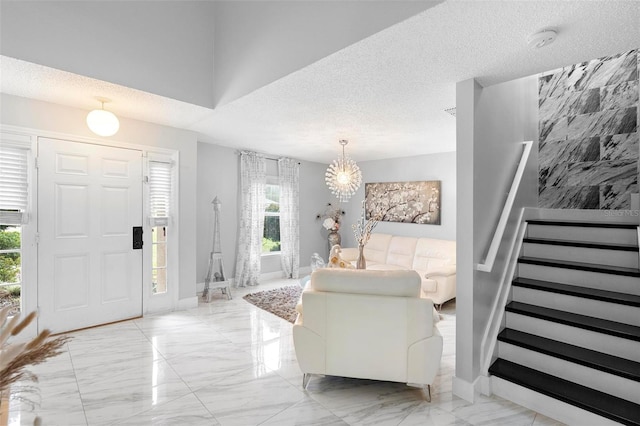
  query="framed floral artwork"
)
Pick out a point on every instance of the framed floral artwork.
point(407, 202)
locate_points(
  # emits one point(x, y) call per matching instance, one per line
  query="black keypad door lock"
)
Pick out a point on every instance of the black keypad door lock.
point(137, 237)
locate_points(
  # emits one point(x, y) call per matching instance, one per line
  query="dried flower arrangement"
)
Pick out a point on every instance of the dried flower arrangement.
point(15, 357)
point(362, 230)
point(332, 217)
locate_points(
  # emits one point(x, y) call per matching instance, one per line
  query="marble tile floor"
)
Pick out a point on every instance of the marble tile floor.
point(229, 363)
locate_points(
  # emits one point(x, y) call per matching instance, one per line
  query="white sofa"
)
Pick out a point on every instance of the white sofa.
point(433, 259)
point(368, 325)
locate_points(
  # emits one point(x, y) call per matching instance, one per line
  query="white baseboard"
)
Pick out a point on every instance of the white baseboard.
point(464, 389)
point(187, 303)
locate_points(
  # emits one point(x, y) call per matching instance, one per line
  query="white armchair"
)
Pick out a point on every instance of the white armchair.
point(368, 325)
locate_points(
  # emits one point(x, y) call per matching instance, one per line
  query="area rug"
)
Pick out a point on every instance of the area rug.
point(279, 301)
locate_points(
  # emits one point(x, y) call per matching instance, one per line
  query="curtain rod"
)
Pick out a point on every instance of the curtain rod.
point(266, 157)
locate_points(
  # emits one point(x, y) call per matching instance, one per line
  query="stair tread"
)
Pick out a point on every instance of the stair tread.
point(575, 290)
point(600, 403)
point(598, 325)
point(604, 362)
point(567, 264)
point(582, 224)
point(582, 244)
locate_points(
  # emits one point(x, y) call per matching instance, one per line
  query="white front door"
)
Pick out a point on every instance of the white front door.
point(89, 200)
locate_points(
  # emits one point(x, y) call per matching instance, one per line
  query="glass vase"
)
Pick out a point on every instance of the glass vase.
point(361, 263)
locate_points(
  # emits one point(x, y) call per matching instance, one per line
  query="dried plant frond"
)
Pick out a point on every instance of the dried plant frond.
point(16, 357)
point(25, 322)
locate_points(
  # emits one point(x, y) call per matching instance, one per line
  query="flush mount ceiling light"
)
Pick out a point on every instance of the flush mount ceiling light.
point(102, 122)
point(343, 177)
point(541, 38)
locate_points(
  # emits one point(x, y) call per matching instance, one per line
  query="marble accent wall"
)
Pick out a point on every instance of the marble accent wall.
point(588, 134)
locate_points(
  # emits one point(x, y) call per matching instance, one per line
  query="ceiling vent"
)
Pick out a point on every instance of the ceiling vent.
point(451, 111)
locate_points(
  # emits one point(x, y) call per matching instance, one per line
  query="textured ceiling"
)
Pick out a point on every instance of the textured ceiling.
point(386, 94)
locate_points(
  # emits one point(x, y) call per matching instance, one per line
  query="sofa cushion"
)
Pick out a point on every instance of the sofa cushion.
point(377, 247)
point(401, 251)
point(403, 283)
point(431, 253)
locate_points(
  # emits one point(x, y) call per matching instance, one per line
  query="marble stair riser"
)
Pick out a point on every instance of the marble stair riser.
point(584, 234)
point(576, 373)
point(579, 305)
point(623, 348)
point(551, 407)
point(627, 259)
point(611, 282)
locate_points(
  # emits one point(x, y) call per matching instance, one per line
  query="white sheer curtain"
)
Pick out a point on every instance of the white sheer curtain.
point(288, 172)
point(253, 179)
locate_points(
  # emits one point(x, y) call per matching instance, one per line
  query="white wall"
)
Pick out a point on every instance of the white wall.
point(38, 115)
point(440, 167)
point(161, 47)
point(219, 175)
point(492, 123)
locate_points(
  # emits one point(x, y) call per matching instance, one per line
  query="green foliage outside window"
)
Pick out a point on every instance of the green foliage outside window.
point(9, 262)
point(271, 239)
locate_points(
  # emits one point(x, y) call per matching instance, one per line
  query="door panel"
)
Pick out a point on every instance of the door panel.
point(69, 269)
point(90, 198)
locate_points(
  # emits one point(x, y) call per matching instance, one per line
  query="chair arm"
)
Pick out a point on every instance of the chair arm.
point(423, 359)
point(349, 254)
point(310, 349)
point(442, 271)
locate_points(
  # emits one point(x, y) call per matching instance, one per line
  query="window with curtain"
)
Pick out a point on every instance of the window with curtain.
point(160, 195)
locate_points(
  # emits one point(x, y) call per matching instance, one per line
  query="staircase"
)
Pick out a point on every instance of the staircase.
point(570, 347)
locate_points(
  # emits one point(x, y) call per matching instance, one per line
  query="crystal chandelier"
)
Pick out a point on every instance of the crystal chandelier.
point(343, 177)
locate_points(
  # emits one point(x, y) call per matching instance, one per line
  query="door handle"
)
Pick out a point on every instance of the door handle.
point(137, 237)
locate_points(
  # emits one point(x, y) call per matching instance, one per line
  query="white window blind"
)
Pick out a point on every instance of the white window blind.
point(160, 189)
point(13, 184)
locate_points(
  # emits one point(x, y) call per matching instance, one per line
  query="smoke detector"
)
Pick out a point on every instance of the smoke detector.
point(541, 38)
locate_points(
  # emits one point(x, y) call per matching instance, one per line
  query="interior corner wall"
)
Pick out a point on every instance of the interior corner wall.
point(45, 116)
point(219, 175)
point(441, 166)
point(490, 137)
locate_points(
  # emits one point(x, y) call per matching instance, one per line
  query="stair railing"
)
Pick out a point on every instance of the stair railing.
point(487, 266)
